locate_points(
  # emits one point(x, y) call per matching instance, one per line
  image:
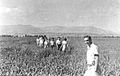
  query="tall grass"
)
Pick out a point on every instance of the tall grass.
point(22, 57)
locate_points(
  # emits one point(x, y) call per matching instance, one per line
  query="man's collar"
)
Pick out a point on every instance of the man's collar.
point(90, 45)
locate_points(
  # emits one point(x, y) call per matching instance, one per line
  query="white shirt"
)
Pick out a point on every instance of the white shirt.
point(58, 42)
point(64, 42)
point(46, 42)
point(64, 45)
point(41, 40)
point(51, 42)
point(37, 40)
point(91, 51)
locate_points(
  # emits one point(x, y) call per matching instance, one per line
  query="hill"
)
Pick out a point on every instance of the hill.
point(78, 29)
point(19, 29)
point(29, 29)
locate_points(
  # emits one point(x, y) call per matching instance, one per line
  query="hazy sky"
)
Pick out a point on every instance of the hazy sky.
point(100, 13)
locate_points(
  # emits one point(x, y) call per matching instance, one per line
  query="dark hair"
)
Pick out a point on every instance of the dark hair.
point(89, 37)
point(58, 37)
point(65, 39)
point(52, 38)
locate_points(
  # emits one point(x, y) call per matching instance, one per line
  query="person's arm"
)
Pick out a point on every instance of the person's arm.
point(61, 46)
point(96, 56)
point(67, 46)
point(56, 44)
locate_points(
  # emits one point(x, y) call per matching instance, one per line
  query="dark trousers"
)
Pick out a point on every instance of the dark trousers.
point(59, 45)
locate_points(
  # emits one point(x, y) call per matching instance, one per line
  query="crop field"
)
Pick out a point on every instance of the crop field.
point(22, 57)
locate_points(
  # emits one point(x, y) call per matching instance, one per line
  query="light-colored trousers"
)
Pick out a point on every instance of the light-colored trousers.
point(91, 71)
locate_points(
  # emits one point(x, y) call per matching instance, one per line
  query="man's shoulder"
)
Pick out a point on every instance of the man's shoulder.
point(94, 45)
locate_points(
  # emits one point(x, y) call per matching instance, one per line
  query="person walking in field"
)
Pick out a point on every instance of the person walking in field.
point(41, 41)
point(37, 41)
point(92, 58)
point(58, 43)
point(52, 43)
point(46, 41)
point(64, 45)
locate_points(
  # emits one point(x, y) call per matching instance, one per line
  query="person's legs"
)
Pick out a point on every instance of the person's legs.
point(91, 72)
point(59, 47)
point(88, 73)
point(63, 48)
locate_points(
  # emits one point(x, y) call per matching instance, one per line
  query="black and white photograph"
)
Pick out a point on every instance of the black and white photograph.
point(59, 37)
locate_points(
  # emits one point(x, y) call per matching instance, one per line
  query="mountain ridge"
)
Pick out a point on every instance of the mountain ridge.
point(29, 29)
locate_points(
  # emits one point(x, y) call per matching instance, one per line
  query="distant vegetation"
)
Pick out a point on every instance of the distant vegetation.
point(61, 34)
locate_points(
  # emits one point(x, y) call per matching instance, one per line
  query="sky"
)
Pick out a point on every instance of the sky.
point(100, 13)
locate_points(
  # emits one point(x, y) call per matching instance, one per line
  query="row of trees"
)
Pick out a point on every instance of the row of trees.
point(28, 35)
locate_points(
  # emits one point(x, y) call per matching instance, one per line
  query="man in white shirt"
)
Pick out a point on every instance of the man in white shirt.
point(37, 41)
point(52, 43)
point(64, 45)
point(41, 40)
point(46, 43)
point(92, 57)
point(58, 43)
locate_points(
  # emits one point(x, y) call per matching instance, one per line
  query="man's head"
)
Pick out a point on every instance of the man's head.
point(88, 40)
point(65, 39)
point(58, 38)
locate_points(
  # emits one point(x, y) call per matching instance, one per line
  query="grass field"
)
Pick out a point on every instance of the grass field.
point(22, 57)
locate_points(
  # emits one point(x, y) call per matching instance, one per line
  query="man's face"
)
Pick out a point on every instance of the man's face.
point(58, 38)
point(87, 41)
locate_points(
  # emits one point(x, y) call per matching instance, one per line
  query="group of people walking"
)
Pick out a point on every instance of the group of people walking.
point(44, 42)
point(91, 53)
